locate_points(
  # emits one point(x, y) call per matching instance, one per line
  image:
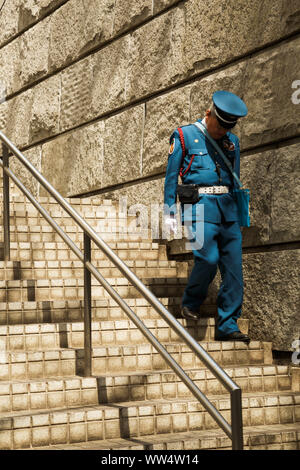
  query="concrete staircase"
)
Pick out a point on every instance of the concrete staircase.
point(132, 401)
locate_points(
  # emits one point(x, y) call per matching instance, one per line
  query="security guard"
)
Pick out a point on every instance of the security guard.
point(193, 156)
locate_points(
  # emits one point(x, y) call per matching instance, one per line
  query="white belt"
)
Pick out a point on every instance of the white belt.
point(213, 189)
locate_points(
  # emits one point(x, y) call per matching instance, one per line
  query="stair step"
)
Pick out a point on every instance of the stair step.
point(18, 203)
point(68, 289)
point(59, 362)
point(57, 246)
point(17, 197)
point(38, 252)
point(111, 333)
point(61, 264)
point(45, 233)
point(48, 393)
point(59, 311)
point(268, 437)
point(96, 217)
point(136, 419)
point(37, 234)
point(55, 311)
point(12, 270)
point(67, 392)
point(106, 225)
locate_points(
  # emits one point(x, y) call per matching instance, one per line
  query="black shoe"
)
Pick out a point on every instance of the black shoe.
point(187, 313)
point(234, 336)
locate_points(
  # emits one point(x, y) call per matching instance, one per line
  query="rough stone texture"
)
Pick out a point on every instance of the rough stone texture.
point(34, 156)
point(154, 55)
point(33, 115)
point(285, 15)
point(243, 26)
point(17, 119)
point(78, 157)
point(163, 115)
point(159, 5)
point(3, 116)
point(9, 19)
point(176, 39)
point(87, 159)
point(17, 15)
point(273, 179)
point(271, 74)
point(123, 146)
point(32, 10)
point(272, 115)
point(34, 58)
point(76, 98)
point(109, 77)
point(128, 15)
point(108, 86)
point(66, 23)
point(147, 192)
point(98, 20)
point(10, 67)
point(81, 26)
point(102, 154)
point(45, 112)
point(257, 174)
point(257, 128)
point(271, 300)
point(285, 203)
point(57, 161)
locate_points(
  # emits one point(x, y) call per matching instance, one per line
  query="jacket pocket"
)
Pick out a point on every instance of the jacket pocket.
point(201, 160)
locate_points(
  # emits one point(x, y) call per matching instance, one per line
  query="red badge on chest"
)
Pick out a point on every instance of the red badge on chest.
point(228, 145)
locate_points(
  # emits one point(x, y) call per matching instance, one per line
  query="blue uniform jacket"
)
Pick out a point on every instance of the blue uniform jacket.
point(203, 172)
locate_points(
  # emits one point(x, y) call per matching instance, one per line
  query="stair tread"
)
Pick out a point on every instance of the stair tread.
point(225, 399)
point(141, 301)
point(144, 442)
point(175, 345)
point(279, 370)
point(10, 283)
point(104, 324)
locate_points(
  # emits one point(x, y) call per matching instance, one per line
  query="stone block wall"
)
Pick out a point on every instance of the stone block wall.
point(94, 88)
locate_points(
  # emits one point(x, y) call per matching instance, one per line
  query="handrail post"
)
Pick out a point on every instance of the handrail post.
point(6, 227)
point(87, 309)
point(237, 419)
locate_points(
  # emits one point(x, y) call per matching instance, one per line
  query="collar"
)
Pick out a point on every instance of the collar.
point(220, 140)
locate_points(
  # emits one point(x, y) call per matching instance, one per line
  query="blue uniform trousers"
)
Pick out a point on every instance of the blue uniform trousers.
point(222, 246)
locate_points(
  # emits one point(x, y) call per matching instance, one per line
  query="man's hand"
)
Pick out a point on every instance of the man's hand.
point(171, 223)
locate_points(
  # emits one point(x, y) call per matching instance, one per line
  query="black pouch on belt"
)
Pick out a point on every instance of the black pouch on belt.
point(188, 193)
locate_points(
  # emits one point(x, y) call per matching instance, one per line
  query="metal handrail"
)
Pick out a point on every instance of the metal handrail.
point(235, 431)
